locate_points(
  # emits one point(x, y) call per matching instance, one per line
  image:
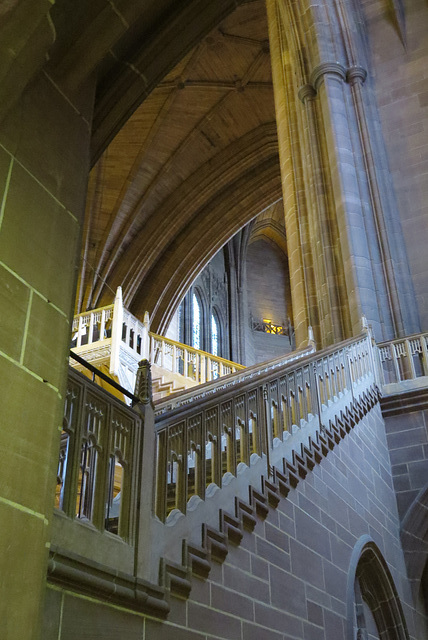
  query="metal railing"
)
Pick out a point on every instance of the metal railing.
point(197, 443)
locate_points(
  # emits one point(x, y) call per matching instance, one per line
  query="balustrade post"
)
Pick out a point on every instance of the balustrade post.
point(410, 358)
point(152, 350)
point(103, 324)
point(197, 364)
point(79, 332)
point(146, 476)
point(116, 332)
point(174, 358)
point(163, 354)
point(145, 338)
point(317, 394)
point(186, 363)
point(424, 355)
point(91, 328)
point(203, 377)
point(375, 362)
point(268, 430)
point(349, 375)
point(395, 361)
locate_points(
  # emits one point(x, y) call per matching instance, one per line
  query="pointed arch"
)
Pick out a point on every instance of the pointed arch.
point(370, 583)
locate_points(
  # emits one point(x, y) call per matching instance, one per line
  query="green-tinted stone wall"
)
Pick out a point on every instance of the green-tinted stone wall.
point(44, 142)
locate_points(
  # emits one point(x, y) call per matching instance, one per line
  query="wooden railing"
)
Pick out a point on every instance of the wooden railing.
point(198, 443)
point(403, 359)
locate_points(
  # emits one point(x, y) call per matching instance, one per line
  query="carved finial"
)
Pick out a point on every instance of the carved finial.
point(118, 297)
point(364, 322)
point(143, 383)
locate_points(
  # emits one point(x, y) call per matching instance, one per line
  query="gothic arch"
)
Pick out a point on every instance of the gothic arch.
point(370, 582)
point(414, 538)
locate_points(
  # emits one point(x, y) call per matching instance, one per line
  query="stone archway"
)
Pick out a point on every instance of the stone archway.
point(414, 538)
point(373, 602)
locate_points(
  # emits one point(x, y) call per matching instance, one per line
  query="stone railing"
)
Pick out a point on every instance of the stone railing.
point(203, 443)
point(199, 366)
point(403, 361)
point(133, 483)
point(112, 335)
point(98, 457)
point(92, 326)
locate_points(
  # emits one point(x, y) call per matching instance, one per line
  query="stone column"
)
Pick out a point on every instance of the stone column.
point(241, 347)
point(343, 228)
point(323, 233)
point(302, 281)
point(394, 281)
point(328, 80)
point(44, 161)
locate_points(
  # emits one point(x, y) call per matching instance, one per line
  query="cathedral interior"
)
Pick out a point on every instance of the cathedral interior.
point(221, 208)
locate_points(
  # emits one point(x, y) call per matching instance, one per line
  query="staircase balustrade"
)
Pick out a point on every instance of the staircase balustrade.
point(98, 457)
point(113, 334)
point(200, 443)
point(199, 366)
point(114, 501)
point(92, 326)
point(403, 359)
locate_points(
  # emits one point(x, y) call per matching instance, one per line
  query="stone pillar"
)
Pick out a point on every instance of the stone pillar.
point(385, 233)
point(303, 290)
point(328, 80)
point(44, 161)
point(323, 228)
point(147, 525)
point(346, 250)
point(116, 333)
point(240, 332)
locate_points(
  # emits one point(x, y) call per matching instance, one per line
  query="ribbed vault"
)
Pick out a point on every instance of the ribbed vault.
point(196, 161)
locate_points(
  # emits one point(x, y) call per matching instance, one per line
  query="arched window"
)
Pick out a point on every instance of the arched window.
point(215, 336)
point(196, 322)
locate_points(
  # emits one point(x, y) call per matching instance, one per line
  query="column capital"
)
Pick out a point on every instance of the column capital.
point(334, 69)
point(356, 74)
point(306, 92)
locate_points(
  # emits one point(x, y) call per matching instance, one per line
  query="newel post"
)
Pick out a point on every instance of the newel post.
point(145, 338)
point(147, 471)
point(373, 352)
point(116, 332)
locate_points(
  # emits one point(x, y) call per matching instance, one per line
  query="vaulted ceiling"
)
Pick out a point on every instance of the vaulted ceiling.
point(195, 162)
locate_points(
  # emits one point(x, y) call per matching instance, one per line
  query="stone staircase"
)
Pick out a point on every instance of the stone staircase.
point(197, 559)
point(161, 388)
point(210, 543)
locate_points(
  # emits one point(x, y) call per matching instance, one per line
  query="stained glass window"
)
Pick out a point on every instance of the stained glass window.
point(214, 336)
point(196, 330)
